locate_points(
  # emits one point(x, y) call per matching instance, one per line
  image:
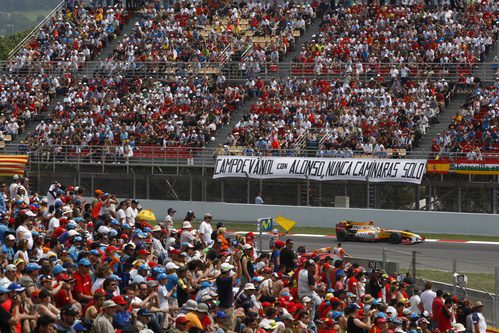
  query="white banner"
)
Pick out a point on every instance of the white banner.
point(322, 169)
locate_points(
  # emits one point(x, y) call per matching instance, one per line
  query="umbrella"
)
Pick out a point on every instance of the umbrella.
point(146, 215)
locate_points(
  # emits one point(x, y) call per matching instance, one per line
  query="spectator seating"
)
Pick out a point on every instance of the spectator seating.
point(391, 41)
point(364, 116)
point(472, 132)
point(126, 115)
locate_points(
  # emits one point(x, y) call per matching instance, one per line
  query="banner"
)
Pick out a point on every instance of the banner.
point(11, 165)
point(464, 167)
point(321, 169)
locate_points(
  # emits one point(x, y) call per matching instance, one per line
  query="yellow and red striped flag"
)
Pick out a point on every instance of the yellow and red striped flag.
point(11, 165)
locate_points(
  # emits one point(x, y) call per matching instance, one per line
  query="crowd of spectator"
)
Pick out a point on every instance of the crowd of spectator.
point(123, 114)
point(197, 33)
point(367, 39)
point(362, 116)
point(74, 35)
point(23, 99)
point(102, 265)
point(473, 132)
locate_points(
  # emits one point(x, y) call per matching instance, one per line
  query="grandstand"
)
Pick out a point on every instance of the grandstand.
point(162, 89)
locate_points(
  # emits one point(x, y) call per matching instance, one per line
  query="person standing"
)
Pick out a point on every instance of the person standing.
point(259, 199)
point(288, 258)
point(168, 223)
point(475, 322)
point(427, 297)
point(205, 229)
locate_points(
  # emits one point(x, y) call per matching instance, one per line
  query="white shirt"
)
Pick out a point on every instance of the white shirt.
point(131, 214)
point(53, 224)
point(427, 298)
point(26, 234)
point(162, 297)
point(13, 190)
point(120, 214)
point(169, 222)
point(303, 286)
point(5, 282)
point(205, 229)
point(415, 301)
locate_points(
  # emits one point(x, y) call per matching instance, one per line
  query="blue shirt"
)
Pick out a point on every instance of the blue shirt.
point(172, 282)
point(122, 320)
point(3, 230)
point(9, 252)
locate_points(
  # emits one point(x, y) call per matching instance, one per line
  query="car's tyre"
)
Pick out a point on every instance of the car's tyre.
point(342, 235)
point(395, 238)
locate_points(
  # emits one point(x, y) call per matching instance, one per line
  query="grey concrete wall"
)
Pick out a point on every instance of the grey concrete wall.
point(417, 221)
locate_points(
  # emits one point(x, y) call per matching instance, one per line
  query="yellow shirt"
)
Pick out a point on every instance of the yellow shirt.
point(193, 320)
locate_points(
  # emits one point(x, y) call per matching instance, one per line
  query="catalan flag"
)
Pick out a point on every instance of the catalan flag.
point(11, 165)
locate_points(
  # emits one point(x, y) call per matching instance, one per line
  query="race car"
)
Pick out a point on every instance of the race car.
point(367, 231)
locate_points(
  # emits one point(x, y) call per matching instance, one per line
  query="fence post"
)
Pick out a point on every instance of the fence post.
point(414, 265)
point(495, 304)
point(454, 271)
point(384, 259)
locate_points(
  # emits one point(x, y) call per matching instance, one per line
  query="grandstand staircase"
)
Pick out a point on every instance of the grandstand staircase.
point(105, 53)
point(443, 121)
point(245, 106)
point(444, 118)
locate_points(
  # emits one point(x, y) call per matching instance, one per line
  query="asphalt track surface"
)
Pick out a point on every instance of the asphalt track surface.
point(480, 258)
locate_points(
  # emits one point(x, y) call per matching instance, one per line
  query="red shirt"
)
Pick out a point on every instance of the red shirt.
point(444, 319)
point(352, 284)
point(436, 306)
point(83, 284)
point(61, 298)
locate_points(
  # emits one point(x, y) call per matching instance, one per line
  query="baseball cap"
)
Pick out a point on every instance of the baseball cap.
point(181, 319)
point(84, 262)
point(10, 237)
point(171, 265)
point(69, 310)
point(11, 268)
point(15, 286)
point(226, 267)
point(32, 267)
point(58, 269)
point(144, 312)
point(220, 314)
point(119, 300)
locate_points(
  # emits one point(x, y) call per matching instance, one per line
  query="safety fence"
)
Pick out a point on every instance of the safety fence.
point(453, 72)
point(201, 156)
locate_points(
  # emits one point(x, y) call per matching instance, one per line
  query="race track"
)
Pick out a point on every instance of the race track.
point(431, 255)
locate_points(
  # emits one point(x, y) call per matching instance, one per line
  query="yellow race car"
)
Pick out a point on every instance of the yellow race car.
point(368, 232)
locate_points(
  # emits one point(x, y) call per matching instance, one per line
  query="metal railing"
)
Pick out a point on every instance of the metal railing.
point(193, 156)
point(455, 72)
point(36, 29)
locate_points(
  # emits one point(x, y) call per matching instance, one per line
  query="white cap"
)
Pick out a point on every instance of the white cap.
point(11, 268)
point(249, 286)
point(226, 267)
point(10, 237)
point(16, 177)
point(30, 213)
point(171, 265)
point(73, 232)
point(186, 225)
point(247, 247)
point(103, 230)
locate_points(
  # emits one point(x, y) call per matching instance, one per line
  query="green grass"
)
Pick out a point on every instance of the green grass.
point(478, 281)
point(331, 231)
